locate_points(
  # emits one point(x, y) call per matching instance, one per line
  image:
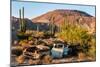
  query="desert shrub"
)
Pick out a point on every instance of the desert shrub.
point(24, 43)
point(22, 35)
point(73, 33)
point(47, 34)
point(92, 50)
point(78, 34)
point(30, 38)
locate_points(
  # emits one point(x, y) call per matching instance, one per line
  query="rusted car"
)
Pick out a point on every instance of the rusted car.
point(32, 53)
point(38, 52)
point(59, 50)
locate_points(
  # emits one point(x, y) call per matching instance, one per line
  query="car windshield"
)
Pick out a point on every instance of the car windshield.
point(59, 46)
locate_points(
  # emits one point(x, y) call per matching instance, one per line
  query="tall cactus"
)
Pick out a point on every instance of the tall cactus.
point(65, 20)
point(65, 23)
point(58, 30)
point(52, 26)
point(22, 22)
point(37, 28)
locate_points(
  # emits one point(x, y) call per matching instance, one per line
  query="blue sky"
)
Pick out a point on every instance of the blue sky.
point(34, 9)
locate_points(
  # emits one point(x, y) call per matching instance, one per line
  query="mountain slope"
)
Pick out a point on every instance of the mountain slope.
point(71, 16)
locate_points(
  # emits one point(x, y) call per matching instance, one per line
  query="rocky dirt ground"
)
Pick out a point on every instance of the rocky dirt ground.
point(54, 61)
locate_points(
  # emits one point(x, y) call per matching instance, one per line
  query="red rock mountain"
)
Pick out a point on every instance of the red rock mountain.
point(71, 16)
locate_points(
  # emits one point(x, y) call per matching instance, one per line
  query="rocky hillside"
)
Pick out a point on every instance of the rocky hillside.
point(71, 16)
point(15, 23)
point(59, 15)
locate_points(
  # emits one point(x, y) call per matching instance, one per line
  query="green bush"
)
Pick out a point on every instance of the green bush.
point(78, 34)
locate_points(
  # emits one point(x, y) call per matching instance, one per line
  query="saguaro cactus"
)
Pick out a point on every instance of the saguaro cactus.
point(52, 25)
point(21, 21)
point(37, 28)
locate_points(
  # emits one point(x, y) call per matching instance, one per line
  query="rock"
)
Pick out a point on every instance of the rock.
point(20, 59)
